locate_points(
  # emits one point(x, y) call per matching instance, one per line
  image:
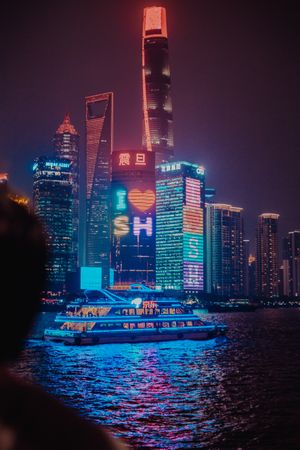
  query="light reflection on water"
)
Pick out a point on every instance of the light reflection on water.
point(240, 392)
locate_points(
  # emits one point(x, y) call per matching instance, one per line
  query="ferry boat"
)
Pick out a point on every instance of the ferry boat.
point(139, 315)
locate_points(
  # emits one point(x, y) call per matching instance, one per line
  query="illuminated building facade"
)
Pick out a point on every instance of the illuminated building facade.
point(267, 273)
point(52, 199)
point(224, 250)
point(180, 200)
point(157, 102)
point(133, 217)
point(66, 146)
point(285, 269)
point(246, 255)
point(99, 143)
point(293, 263)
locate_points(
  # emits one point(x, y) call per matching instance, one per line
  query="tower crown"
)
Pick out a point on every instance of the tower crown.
point(155, 22)
point(66, 126)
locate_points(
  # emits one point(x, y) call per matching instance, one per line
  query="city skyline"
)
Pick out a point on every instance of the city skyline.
point(224, 122)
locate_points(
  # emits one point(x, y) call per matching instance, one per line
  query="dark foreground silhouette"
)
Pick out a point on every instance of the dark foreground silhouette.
point(30, 419)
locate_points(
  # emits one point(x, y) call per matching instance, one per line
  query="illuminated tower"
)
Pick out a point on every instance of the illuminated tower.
point(157, 102)
point(66, 146)
point(180, 200)
point(99, 143)
point(133, 217)
point(267, 255)
point(224, 249)
point(52, 198)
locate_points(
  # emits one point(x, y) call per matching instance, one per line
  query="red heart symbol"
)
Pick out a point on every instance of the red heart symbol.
point(142, 200)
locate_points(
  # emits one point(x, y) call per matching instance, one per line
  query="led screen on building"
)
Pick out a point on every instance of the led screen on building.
point(91, 278)
point(193, 240)
point(133, 217)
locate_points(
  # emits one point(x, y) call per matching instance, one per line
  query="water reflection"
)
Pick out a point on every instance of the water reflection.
point(225, 393)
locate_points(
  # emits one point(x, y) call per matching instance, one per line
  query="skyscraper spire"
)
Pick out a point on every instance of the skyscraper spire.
point(157, 102)
point(66, 126)
point(66, 146)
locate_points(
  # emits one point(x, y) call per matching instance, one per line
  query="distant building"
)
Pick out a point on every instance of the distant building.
point(133, 217)
point(224, 249)
point(156, 78)
point(293, 253)
point(180, 208)
point(66, 146)
point(99, 145)
point(52, 199)
point(210, 194)
point(252, 275)
point(267, 270)
point(285, 268)
point(246, 255)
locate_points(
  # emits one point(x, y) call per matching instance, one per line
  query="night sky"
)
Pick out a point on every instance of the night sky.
point(235, 70)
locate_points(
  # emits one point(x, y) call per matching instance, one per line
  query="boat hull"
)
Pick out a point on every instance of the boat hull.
point(131, 337)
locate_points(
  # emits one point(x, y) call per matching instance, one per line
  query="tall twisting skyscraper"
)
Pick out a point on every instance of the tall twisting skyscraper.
point(157, 102)
point(99, 142)
point(66, 146)
point(267, 255)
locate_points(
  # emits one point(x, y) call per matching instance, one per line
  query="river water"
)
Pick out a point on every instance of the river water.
point(239, 392)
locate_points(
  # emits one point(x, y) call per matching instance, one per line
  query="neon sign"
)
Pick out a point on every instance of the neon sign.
point(57, 164)
point(124, 159)
point(193, 275)
point(140, 159)
point(200, 170)
point(193, 240)
point(121, 224)
point(171, 167)
point(193, 247)
point(193, 192)
point(132, 159)
point(149, 304)
point(121, 200)
point(138, 226)
point(143, 201)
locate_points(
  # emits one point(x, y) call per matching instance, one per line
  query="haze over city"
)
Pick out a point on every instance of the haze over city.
point(235, 90)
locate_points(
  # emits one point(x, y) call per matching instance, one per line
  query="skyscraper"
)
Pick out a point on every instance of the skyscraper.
point(66, 146)
point(246, 255)
point(52, 199)
point(224, 249)
point(133, 214)
point(267, 274)
point(157, 101)
point(99, 144)
point(285, 268)
point(293, 241)
point(180, 200)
